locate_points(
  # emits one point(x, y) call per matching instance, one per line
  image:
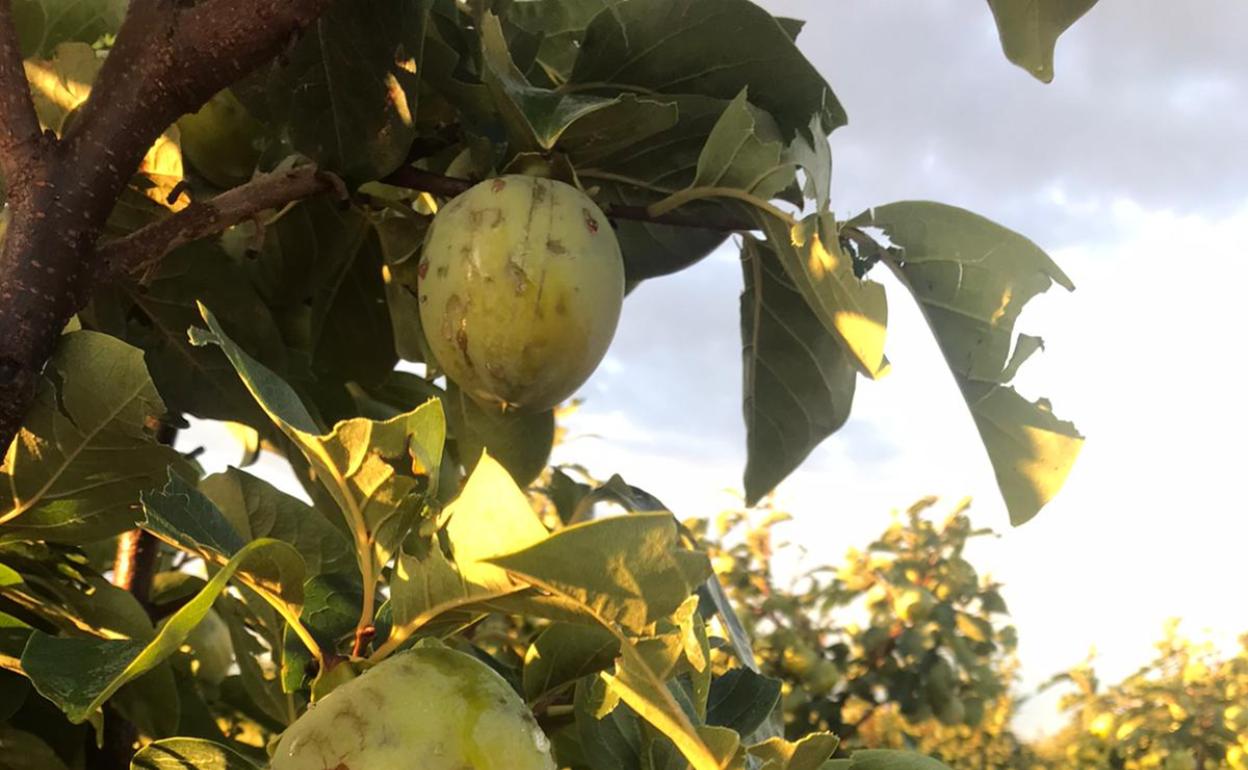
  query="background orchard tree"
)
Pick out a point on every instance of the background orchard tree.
point(904, 645)
point(1187, 709)
point(217, 208)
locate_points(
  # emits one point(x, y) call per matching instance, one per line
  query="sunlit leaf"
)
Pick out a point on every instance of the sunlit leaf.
point(87, 448)
point(799, 382)
point(490, 518)
point(808, 753)
point(1029, 30)
point(638, 684)
point(972, 278)
point(189, 754)
point(852, 309)
point(629, 570)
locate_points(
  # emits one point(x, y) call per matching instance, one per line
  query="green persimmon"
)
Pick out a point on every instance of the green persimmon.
point(520, 288)
point(222, 141)
point(431, 708)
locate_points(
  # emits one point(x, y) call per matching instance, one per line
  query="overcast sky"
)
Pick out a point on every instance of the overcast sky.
point(1131, 169)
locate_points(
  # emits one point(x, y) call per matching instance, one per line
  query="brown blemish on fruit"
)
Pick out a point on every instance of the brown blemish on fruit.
point(453, 317)
point(539, 192)
point(498, 184)
point(590, 222)
point(518, 277)
point(556, 247)
point(561, 305)
point(422, 269)
point(461, 339)
point(442, 271)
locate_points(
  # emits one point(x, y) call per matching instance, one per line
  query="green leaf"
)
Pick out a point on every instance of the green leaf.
point(564, 653)
point(561, 25)
point(810, 150)
point(400, 239)
point(358, 462)
point(331, 609)
point(708, 47)
point(887, 759)
point(799, 382)
point(194, 380)
point(646, 171)
point(628, 570)
point(75, 470)
point(742, 700)
point(257, 509)
point(424, 587)
point(79, 674)
point(809, 753)
point(24, 751)
point(611, 741)
point(744, 154)
point(1029, 30)
point(43, 24)
point(320, 272)
point(855, 311)
point(185, 518)
point(972, 278)
point(536, 118)
point(637, 683)
point(348, 90)
point(520, 441)
point(189, 754)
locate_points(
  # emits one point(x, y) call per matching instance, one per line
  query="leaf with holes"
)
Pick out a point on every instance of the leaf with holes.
point(972, 278)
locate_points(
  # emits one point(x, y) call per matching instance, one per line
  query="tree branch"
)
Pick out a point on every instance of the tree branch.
point(169, 58)
point(19, 126)
point(426, 181)
point(145, 246)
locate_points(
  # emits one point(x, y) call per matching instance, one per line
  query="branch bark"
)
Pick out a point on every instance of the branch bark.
point(169, 59)
point(19, 126)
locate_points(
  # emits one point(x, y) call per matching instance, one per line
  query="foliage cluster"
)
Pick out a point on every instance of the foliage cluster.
point(859, 652)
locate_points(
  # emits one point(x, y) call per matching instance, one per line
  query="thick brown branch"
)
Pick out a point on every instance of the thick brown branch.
point(169, 58)
point(19, 127)
point(145, 246)
point(427, 181)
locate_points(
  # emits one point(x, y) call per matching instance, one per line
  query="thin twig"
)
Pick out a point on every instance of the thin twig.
point(145, 246)
point(418, 179)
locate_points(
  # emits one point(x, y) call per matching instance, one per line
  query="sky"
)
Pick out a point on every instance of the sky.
point(1130, 169)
